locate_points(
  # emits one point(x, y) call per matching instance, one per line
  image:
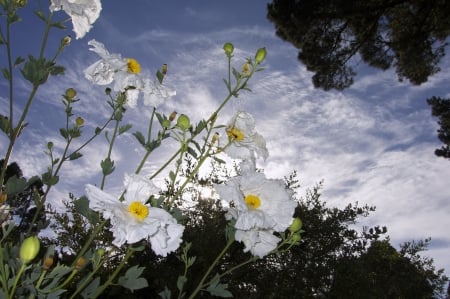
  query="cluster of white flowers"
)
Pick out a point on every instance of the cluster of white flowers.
point(125, 74)
point(260, 206)
point(133, 219)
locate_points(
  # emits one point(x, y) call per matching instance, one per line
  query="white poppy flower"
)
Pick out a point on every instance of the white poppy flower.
point(245, 140)
point(257, 202)
point(258, 242)
point(83, 13)
point(125, 75)
point(133, 220)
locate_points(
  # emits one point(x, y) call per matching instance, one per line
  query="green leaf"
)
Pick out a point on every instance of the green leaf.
point(159, 76)
point(15, 185)
point(64, 133)
point(41, 15)
point(91, 288)
point(218, 289)
point(49, 179)
point(107, 166)
point(58, 25)
point(18, 61)
point(75, 156)
point(219, 160)
point(139, 137)
point(4, 124)
point(124, 128)
point(6, 74)
point(81, 206)
point(131, 279)
point(180, 282)
point(166, 294)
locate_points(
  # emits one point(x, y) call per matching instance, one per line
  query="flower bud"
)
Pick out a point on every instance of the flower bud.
point(246, 69)
point(100, 252)
point(172, 116)
point(296, 225)
point(3, 197)
point(260, 55)
point(296, 238)
point(48, 262)
point(66, 40)
point(183, 122)
point(215, 138)
point(81, 261)
point(228, 48)
point(164, 69)
point(79, 121)
point(20, 3)
point(29, 249)
point(71, 93)
point(108, 90)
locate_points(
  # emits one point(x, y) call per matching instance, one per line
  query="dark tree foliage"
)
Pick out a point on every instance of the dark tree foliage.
point(440, 108)
point(408, 35)
point(383, 272)
point(306, 271)
point(21, 199)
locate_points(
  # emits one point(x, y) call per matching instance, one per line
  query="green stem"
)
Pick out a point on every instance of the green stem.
point(108, 156)
point(114, 274)
point(202, 284)
point(4, 278)
point(16, 281)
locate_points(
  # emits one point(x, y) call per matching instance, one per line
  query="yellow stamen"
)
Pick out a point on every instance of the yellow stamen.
point(133, 66)
point(235, 134)
point(139, 210)
point(252, 201)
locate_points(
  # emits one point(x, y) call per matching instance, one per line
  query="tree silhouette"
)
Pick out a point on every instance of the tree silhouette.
point(440, 108)
point(408, 35)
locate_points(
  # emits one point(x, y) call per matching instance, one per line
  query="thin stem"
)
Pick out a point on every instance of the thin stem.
point(108, 156)
point(211, 267)
point(16, 281)
point(114, 274)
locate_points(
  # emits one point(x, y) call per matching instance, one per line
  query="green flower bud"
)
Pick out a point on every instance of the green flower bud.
point(183, 122)
point(71, 93)
point(228, 48)
point(260, 55)
point(101, 252)
point(79, 121)
point(29, 249)
point(296, 225)
point(296, 238)
point(166, 123)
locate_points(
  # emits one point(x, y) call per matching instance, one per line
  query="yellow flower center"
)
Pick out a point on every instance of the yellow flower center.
point(139, 210)
point(235, 134)
point(252, 201)
point(133, 66)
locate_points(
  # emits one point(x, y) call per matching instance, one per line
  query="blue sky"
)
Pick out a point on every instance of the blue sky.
point(372, 143)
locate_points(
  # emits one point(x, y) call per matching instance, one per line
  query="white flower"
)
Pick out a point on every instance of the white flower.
point(258, 242)
point(245, 140)
point(83, 13)
point(133, 220)
point(257, 202)
point(125, 75)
